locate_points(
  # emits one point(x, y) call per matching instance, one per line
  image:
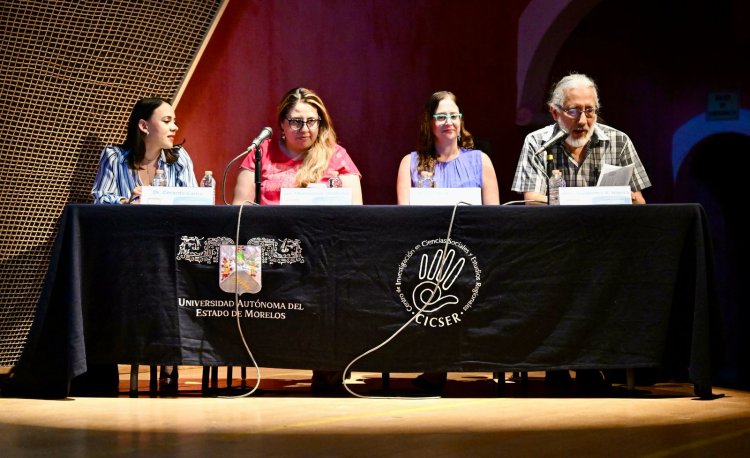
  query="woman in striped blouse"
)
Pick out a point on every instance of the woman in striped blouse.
point(124, 169)
point(149, 146)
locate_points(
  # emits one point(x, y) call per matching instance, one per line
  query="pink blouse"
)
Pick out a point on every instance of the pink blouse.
point(279, 171)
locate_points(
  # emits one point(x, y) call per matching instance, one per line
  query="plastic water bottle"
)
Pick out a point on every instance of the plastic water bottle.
point(208, 180)
point(425, 180)
point(159, 178)
point(335, 180)
point(555, 183)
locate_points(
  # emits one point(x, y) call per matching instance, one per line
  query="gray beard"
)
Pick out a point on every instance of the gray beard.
point(581, 142)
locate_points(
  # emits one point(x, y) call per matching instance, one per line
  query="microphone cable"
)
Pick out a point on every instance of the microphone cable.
point(420, 311)
point(224, 179)
point(237, 309)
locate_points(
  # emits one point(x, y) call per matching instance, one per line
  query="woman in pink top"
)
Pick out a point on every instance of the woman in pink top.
point(305, 152)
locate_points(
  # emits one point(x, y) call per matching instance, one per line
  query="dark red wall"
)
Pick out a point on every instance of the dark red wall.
point(374, 63)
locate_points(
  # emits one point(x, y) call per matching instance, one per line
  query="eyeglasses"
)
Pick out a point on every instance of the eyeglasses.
point(575, 113)
point(296, 124)
point(442, 118)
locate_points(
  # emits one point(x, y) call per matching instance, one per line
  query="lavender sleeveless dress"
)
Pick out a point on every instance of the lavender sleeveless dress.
point(465, 171)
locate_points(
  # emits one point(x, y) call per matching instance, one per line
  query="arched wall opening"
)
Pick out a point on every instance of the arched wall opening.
point(700, 177)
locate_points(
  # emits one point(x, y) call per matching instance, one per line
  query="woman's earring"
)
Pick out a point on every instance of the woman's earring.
point(283, 136)
point(459, 140)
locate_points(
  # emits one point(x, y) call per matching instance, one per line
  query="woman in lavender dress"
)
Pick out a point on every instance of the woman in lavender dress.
point(446, 150)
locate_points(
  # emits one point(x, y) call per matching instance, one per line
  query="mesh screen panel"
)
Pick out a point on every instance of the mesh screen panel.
point(70, 72)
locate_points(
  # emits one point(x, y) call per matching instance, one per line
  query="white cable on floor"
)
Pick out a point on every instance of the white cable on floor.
point(419, 312)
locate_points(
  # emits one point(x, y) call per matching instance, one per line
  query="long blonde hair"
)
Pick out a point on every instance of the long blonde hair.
point(316, 160)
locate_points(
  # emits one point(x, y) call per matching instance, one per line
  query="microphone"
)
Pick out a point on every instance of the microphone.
point(265, 134)
point(562, 133)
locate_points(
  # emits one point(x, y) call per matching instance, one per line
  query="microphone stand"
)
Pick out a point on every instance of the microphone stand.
point(548, 145)
point(257, 174)
point(264, 135)
point(550, 162)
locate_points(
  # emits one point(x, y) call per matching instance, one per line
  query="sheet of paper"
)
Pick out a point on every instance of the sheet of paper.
point(595, 195)
point(176, 195)
point(445, 196)
point(613, 175)
point(314, 195)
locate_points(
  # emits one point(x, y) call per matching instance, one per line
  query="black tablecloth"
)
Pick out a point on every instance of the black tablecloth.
point(521, 288)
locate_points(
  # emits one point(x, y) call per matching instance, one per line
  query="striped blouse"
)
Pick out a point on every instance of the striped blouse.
point(116, 180)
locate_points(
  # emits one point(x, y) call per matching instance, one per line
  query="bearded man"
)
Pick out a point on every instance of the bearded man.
point(588, 146)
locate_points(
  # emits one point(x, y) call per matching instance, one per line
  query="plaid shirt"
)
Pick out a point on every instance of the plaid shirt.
point(115, 179)
point(607, 146)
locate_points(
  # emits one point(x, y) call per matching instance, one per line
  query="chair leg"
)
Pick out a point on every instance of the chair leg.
point(133, 380)
point(153, 385)
point(229, 376)
point(520, 379)
point(243, 376)
point(386, 380)
point(630, 378)
point(500, 376)
point(214, 378)
point(204, 380)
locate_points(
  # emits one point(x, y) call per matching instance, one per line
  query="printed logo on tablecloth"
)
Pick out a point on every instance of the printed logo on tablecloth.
point(205, 250)
point(194, 249)
point(240, 269)
point(441, 283)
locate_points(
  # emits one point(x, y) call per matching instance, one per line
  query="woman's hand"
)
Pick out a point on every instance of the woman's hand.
point(135, 197)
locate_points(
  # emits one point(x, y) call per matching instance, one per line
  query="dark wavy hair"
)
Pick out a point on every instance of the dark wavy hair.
point(144, 109)
point(426, 141)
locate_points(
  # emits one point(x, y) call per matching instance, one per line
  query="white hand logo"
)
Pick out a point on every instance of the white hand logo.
point(428, 296)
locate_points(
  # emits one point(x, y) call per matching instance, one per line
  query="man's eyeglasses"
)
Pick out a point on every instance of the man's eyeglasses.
point(442, 118)
point(575, 113)
point(296, 124)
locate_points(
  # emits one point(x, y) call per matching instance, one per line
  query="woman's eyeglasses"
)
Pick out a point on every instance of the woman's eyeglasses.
point(296, 124)
point(442, 118)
